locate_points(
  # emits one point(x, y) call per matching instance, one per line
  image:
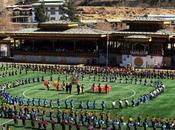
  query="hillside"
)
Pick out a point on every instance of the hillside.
point(117, 11)
point(132, 3)
point(101, 13)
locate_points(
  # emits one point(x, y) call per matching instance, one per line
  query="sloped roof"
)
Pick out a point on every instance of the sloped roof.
point(147, 20)
point(58, 22)
point(84, 30)
point(77, 30)
point(49, 2)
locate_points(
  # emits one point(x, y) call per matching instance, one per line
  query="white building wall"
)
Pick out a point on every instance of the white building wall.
point(58, 16)
point(33, 16)
point(53, 59)
point(4, 50)
point(147, 61)
point(126, 59)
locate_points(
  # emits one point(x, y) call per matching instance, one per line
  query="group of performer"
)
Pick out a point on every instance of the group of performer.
point(101, 74)
point(16, 83)
point(65, 86)
point(77, 120)
point(101, 88)
point(162, 74)
point(72, 104)
point(10, 73)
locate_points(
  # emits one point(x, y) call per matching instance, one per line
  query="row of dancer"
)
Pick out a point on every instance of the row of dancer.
point(90, 120)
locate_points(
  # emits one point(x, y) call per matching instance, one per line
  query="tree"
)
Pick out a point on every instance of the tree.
point(40, 14)
point(69, 11)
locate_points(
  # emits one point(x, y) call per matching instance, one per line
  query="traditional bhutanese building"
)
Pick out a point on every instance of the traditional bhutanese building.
point(26, 13)
point(144, 43)
point(53, 8)
point(21, 13)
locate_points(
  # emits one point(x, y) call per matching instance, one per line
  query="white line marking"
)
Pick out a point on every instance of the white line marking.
point(134, 93)
point(74, 93)
point(25, 92)
point(6, 122)
point(126, 87)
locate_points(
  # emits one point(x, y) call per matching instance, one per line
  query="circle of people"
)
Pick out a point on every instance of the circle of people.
point(158, 89)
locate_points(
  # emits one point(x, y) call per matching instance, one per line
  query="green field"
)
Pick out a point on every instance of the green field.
point(162, 106)
point(119, 91)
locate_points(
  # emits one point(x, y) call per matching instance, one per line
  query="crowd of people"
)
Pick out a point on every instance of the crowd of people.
point(75, 104)
point(158, 89)
point(74, 120)
point(78, 119)
point(67, 87)
point(16, 83)
point(69, 69)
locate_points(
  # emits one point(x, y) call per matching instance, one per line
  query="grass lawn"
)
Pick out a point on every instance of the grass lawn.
point(162, 106)
point(119, 91)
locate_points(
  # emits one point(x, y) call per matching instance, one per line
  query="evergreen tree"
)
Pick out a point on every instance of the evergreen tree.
point(40, 14)
point(69, 11)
